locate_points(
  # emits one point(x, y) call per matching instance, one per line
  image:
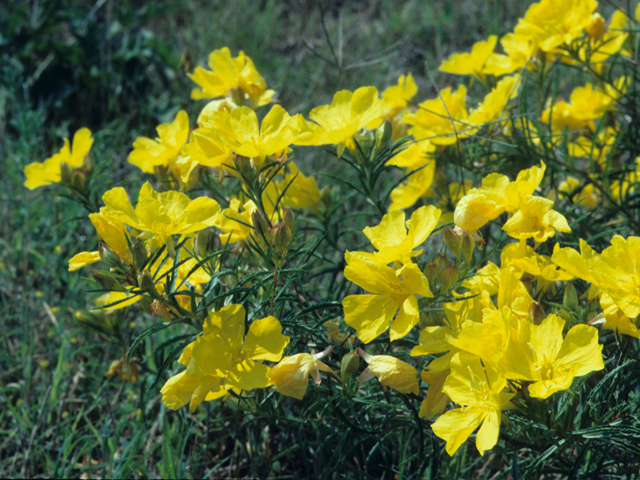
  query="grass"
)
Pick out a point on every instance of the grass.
point(59, 415)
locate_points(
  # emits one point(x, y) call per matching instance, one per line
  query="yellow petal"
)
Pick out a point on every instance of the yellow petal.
point(395, 373)
point(455, 426)
point(248, 375)
point(370, 315)
point(82, 143)
point(82, 260)
point(265, 340)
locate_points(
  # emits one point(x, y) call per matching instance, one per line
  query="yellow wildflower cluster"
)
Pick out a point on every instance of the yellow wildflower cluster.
point(454, 276)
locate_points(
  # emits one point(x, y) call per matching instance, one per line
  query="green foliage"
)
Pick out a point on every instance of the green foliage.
point(60, 416)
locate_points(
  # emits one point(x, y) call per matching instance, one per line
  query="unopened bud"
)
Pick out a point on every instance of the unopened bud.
point(107, 282)
point(596, 27)
point(260, 225)
point(440, 262)
point(326, 198)
point(452, 241)
point(78, 181)
point(146, 285)
point(383, 135)
point(570, 298)
point(161, 172)
point(140, 255)
point(108, 256)
point(246, 169)
point(349, 365)
point(206, 242)
point(448, 276)
point(238, 96)
point(281, 235)
point(289, 219)
point(536, 313)
point(467, 246)
point(159, 309)
point(66, 174)
point(431, 272)
point(431, 318)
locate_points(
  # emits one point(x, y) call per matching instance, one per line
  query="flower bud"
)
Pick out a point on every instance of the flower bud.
point(281, 235)
point(289, 219)
point(467, 246)
point(596, 27)
point(107, 282)
point(108, 256)
point(78, 181)
point(570, 297)
point(206, 242)
point(246, 169)
point(536, 313)
point(452, 241)
point(382, 137)
point(349, 365)
point(431, 318)
point(161, 172)
point(66, 174)
point(146, 285)
point(159, 309)
point(140, 255)
point(326, 198)
point(440, 262)
point(431, 272)
point(238, 96)
point(261, 227)
point(448, 276)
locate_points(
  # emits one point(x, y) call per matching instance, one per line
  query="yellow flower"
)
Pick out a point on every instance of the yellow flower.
point(416, 155)
point(148, 153)
point(413, 188)
point(390, 372)
point(39, 174)
point(554, 23)
point(539, 354)
point(588, 196)
point(291, 375)
point(518, 48)
point(493, 107)
point(396, 98)
point(615, 319)
point(160, 215)
point(229, 74)
point(114, 233)
point(586, 105)
point(532, 216)
point(472, 63)
point(301, 191)
point(605, 42)
point(207, 149)
point(441, 119)
point(599, 148)
point(479, 390)
point(238, 130)
point(235, 224)
point(372, 315)
point(618, 273)
point(523, 259)
point(481, 205)
point(223, 358)
point(394, 241)
point(336, 124)
point(535, 219)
